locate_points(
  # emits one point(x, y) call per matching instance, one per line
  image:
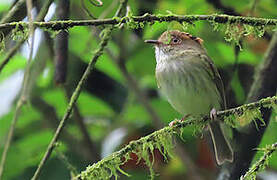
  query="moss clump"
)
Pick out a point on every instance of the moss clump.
point(243, 117)
point(249, 115)
point(231, 121)
point(103, 170)
point(236, 28)
point(20, 32)
point(143, 148)
point(130, 22)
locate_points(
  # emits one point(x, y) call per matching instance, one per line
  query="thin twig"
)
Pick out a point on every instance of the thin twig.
point(94, 152)
point(76, 93)
point(11, 53)
point(222, 19)
point(24, 92)
point(12, 11)
point(69, 166)
point(260, 164)
point(9, 138)
point(23, 96)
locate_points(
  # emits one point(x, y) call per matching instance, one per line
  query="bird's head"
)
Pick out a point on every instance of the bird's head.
point(175, 42)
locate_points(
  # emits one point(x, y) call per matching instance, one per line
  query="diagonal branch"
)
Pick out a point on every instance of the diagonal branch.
point(106, 36)
point(119, 157)
point(261, 163)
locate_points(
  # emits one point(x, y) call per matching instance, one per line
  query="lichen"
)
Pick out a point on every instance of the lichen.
point(161, 140)
point(185, 25)
point(215, 25)
point(272, 104)
point(103, 170)
point(130, 22)
point(143, 148)
point(249, 115)
point(233, 33)
point(53, 33)
point(244, 117)
point(19, 32)
point(231, 121)
point(235, 29)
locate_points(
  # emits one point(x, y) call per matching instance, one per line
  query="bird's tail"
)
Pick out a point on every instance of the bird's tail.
point(222, 147)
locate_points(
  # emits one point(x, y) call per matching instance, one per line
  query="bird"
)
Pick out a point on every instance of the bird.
point(189, 80)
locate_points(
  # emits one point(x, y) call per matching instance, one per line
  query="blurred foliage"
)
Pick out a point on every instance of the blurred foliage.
point(35, 128)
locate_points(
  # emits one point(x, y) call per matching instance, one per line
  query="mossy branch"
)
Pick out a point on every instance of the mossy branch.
point(146, 18)
point(261, 163)
point(162, 140)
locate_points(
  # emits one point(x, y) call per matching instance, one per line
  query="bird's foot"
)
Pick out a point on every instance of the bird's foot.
point(213, 114)
point(174, 122)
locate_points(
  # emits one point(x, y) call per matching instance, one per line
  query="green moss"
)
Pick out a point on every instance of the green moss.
point(130, 22)
point(53, 33)
point(185, 25)
point(231, 121)
point(103, 170)
point(161, 140)
point(19, 32)
point(274, 106)
point(235, 28)
point(215, 25)
point(244, 117)
point(143, 148)
point(233, 33)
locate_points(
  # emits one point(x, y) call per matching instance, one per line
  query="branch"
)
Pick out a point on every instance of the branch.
point(150, 18)
point(162, 140)
point(105, 38)
point(261, 163)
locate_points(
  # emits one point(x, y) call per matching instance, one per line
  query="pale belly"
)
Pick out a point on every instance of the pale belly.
point(189, 90)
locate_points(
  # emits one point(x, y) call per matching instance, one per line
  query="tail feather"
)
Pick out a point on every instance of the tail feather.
point(222, 147)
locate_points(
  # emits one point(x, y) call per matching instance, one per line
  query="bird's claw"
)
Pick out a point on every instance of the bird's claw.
point(213, 114)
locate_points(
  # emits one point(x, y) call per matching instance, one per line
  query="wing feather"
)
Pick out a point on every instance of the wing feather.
point(216, 78)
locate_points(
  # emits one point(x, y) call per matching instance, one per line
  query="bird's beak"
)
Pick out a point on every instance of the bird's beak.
point(156, 42)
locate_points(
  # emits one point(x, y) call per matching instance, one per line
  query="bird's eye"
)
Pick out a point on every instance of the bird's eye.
point(175, 40)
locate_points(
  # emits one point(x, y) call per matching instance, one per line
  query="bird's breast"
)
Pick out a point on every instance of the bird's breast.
point(188, 86)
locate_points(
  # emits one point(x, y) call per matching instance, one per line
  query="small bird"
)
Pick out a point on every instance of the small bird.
point(191, 83)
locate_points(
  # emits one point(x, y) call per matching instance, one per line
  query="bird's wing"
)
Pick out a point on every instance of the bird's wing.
point(216, 78)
